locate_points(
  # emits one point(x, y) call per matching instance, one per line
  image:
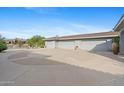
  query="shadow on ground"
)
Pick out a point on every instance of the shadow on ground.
point(45, 71)
point(109, 55)
point(100, 49)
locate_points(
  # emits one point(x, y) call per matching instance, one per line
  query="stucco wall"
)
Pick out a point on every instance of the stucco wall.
point(122, 41)
point(95, 44)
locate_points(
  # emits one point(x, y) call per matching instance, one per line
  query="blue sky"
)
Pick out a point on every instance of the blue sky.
point(26, 22)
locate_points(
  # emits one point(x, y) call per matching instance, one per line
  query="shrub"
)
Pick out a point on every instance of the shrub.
point(36, 41)
point(3, 45)
point(116, 40)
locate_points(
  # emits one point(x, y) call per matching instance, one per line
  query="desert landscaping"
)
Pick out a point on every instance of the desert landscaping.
point(60, 67)
point(36, 50)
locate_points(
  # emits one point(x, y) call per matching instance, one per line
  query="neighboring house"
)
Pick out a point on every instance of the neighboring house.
point(96, 41)
point(11, 43)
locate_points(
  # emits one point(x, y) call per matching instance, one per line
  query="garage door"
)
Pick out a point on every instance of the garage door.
point(50, 44)
point(96, 45)
point(66, 44)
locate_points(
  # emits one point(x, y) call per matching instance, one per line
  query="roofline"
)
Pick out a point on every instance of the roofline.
point(119, 22)
point(75, 38)
point(101, 37)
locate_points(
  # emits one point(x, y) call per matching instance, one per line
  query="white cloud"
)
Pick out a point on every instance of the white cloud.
point(61, 29)
point(73, 29)
point(10, 34)
point(90, 28)
point(43, 10)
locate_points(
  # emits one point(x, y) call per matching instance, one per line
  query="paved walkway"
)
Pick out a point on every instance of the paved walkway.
point(59, 67)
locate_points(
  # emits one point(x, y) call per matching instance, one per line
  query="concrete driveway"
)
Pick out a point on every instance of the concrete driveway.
point(60, 67)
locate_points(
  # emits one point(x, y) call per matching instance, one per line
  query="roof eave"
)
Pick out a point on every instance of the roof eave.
point(118, 23)
point(98, 37)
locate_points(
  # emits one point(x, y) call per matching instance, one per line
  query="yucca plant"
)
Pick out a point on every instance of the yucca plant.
point(115, 45)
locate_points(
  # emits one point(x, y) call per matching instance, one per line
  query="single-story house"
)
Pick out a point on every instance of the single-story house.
point(95, 41)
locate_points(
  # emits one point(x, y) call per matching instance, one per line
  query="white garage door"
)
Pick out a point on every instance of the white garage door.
point(96, 45)
point(50, 44)
point(66, 44)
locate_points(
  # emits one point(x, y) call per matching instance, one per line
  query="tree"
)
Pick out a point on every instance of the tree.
point(2, 39)
point(36, 41)
point(3, 45)
point(17, 40)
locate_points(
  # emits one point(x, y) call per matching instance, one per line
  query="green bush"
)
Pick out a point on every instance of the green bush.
point(3, 45)
point(36, 41)
point(116, 40)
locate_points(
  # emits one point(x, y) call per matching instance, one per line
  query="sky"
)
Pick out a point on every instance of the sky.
point(25, 22)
